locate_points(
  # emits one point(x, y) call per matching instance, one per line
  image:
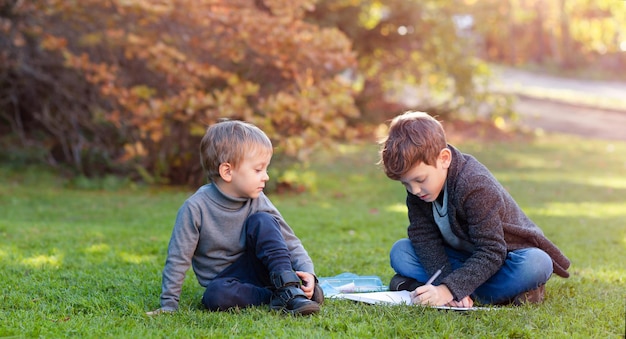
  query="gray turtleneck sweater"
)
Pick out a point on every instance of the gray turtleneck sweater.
point(208, 235)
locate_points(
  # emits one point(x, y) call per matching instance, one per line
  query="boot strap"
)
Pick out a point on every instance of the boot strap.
point(280, 279)
point(287, 294)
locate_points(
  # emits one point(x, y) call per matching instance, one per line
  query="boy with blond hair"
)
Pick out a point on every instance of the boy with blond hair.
point(462, 222)
point(240, 247)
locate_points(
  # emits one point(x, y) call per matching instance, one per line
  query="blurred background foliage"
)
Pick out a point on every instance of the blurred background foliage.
point(127, 87)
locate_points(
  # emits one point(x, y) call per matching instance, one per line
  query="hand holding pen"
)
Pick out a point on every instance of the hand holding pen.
point(432, 295)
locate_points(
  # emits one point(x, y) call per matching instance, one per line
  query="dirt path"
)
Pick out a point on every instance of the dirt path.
point(556, 105)
point(554, 116)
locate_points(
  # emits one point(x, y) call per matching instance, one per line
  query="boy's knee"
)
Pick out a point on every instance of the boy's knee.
point(260, 217)
point(402, 246)
point(538, 263)
point(261, 223)
point(399, 252)
point(543, 260)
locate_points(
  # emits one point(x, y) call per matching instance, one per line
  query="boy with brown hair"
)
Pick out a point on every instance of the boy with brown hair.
point(463, 222)
point(240, 247)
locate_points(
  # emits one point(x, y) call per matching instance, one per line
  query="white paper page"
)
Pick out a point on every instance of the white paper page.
point(398, 298)
point(387, 297)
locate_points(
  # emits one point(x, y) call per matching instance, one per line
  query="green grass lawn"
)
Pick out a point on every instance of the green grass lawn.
point(87, 263)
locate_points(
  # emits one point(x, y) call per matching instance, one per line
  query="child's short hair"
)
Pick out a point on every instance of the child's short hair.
point(413, 138)
point(229, 141)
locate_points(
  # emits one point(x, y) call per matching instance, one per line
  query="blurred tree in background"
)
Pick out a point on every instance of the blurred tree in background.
point(411, 54)
point(129, 86)
point(564, 34)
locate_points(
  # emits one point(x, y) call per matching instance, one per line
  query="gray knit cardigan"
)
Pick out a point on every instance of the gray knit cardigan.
point(482, 212)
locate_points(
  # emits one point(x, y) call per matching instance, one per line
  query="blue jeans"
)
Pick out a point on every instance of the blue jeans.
point(523, 270)
point(247, 281)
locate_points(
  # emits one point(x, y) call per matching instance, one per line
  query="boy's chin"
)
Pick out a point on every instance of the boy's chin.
point(426, 198)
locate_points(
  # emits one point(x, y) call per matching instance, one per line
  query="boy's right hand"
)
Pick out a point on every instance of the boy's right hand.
point(158, 311)
point(431, 295)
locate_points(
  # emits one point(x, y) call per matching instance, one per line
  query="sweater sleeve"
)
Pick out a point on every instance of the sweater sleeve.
point(481, 206)
point(182, 245)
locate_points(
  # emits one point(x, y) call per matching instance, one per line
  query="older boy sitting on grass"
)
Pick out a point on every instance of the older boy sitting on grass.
point(463, 222)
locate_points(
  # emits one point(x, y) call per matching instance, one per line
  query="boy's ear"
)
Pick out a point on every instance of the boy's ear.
point(446, 157)
point(226, 171)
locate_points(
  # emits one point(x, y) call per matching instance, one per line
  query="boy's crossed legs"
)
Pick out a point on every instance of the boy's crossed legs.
point(524, 270)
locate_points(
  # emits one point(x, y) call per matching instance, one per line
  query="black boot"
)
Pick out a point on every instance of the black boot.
point(401, 283)
point(289, 297)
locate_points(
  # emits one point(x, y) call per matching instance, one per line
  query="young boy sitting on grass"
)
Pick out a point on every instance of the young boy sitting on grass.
point(463, 222)
point(240, 247)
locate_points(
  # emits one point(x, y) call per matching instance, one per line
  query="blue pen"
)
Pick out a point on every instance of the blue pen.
point(430, 281)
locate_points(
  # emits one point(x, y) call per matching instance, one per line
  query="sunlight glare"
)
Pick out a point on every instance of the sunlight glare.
point(135, 258)
point(604, 274)
point(600, 210)
point(401, 208)
point(98, 248)
point(43, 260)
point(607, 181)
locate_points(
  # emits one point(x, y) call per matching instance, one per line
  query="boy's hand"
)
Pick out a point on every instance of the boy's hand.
point(431, 295)
point(465, 302)
point(158, 311)
point(308, 283)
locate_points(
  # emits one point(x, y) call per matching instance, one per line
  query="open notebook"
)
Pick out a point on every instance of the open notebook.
point(397, 298)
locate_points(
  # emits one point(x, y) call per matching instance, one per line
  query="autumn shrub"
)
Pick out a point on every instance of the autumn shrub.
point(50, 111)
point(132, 85)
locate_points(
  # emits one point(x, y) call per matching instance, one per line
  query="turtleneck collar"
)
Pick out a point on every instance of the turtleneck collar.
point(222, 199)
